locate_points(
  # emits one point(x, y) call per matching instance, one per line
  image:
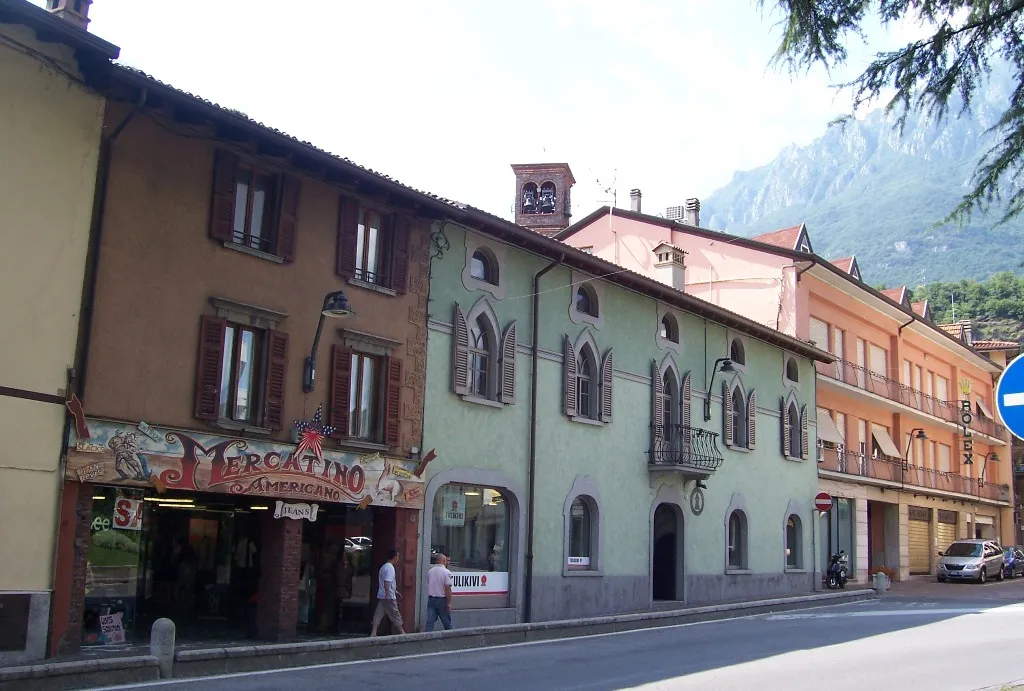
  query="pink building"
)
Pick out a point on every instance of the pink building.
point(908, 475)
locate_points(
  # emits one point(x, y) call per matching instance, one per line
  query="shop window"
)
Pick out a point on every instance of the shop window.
point(737, 542)
point(582, 520)
point(794, 542)
point(471, 526)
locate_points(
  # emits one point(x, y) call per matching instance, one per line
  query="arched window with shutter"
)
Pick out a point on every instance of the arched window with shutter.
point(589, 385)
point(793, 428)
point(483, 361)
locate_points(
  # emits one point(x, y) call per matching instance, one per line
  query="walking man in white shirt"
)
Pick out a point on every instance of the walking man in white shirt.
point(439, 593)
point(387, 596)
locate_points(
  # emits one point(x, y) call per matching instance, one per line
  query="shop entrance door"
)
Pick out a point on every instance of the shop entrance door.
point(667, 553)
point(335, 573)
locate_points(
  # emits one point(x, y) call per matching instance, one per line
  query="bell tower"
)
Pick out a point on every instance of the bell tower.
point(542, 196)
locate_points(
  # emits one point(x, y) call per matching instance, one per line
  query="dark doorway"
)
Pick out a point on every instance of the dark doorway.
point(667, 566)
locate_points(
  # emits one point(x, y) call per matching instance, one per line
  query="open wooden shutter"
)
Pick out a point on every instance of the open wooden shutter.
point(222, 208)
point(508, 365)
point(209, 364)
point(393, 403)
point(805, 446)
point(400, 231)
point(657, 410)
point(686, 412)
point(570, 378)
point(348, 225)
point(341, 383)
point(607, 374)
point(277, 366)
point(786, 422)
point(460, 353)
point(727, 431)
point(752, 419)
point(287, 216)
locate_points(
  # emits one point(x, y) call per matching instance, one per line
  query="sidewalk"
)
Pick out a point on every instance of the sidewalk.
point(90, 669)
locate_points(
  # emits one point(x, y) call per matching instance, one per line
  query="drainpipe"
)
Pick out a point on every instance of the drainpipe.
point(899, 331)
point(528, 590)
point(85, 327)
point(801, 272)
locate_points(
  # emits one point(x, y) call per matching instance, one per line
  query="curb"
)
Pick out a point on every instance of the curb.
point(66, 676)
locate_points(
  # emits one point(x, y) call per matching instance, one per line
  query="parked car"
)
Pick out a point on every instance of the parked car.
point(1013, 561)
point(971, 560)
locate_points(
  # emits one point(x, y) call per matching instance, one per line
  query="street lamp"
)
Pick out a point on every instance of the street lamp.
point(994, 457)
point(726, 367)
point(916, 433)
point(336, 306)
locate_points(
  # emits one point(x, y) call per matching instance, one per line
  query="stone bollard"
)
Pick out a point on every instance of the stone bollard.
point(161, 646)
point(881, 582)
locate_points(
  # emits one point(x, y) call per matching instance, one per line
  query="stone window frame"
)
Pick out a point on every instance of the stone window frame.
point(788, 401)
point(576, 280)
point(512, 493)
point(584, 487)
point(738, 503)
point(729, 388)
point(664, 343)
point(794, 508)
point(483, 308)
point(498, 255)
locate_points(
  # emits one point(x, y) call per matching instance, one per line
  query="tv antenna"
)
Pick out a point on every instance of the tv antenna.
point(613, 190)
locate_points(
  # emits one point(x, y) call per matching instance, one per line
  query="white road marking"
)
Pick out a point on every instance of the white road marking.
point(1013, 399)
point(416, 656)
point(1008, 610)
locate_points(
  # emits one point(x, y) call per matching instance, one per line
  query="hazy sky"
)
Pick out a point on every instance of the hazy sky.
point(675, 95)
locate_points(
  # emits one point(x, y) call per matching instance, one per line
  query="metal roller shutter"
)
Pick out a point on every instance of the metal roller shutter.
point(945, 535)
point(920, 545)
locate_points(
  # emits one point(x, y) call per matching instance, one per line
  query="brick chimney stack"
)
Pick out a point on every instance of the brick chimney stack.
point(74, 11)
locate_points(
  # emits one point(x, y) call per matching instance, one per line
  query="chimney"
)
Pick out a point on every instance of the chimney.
point(74, 11)
point(670, 266)
point(968, 332)
point(691, 212)
point(634, 200)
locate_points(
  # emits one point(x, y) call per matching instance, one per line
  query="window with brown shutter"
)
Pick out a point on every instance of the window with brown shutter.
point(686, 397)
point(570, 378)
point(254, 207)
point(804, 445)
point(460, 353)
point(785, 422)
point(752, 419)
point(367, 385)
point(241, 374)
point(607, 374)
point(341, 375)
point(508, 365)
point(393, 406)
point(727, 421)
point(373, 245)
point(657, 407)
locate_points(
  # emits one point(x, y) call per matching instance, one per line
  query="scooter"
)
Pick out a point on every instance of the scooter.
point(838, 570)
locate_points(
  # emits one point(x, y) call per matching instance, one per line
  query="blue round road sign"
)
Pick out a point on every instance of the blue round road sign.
point(1010, 397)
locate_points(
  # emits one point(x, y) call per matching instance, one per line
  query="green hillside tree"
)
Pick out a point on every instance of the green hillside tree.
point(929, 76)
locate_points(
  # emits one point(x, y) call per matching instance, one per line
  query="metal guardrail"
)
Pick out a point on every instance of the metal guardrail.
point(881, 385)
point(681, 445)
point(839, 460)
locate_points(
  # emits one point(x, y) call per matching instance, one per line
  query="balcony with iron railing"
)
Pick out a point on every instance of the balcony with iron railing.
point(836, 459)
point(690, 451)
point(863, 378)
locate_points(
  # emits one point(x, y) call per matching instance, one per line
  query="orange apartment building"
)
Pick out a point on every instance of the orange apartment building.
point(907, 439)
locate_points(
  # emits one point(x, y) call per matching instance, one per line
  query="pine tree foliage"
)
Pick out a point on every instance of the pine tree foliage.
point(930, 76)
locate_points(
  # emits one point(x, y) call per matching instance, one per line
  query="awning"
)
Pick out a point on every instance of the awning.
point(984, 520)
point(885, 442)
point(827, 430)
point(984, 409)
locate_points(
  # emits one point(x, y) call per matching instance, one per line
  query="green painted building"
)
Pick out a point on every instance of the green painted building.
point(643, 489)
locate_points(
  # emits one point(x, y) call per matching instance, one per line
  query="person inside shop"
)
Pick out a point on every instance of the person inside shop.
point(188, 564)
point(439, 593)
point(387, 596)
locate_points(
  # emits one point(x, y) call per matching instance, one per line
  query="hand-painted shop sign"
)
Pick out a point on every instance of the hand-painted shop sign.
point(479, 582)
point(296, 511)
point(118, 454)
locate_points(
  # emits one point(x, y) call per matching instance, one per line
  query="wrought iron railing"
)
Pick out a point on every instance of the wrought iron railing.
point(682, 445)
point(881, 385)
point(838, 460)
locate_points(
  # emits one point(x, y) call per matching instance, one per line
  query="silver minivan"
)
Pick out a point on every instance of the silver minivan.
point(971, 560)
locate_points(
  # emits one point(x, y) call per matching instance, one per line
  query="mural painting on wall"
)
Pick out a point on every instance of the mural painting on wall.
point(122, 454)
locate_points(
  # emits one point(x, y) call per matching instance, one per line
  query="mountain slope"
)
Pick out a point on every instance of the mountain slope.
point(864, 190)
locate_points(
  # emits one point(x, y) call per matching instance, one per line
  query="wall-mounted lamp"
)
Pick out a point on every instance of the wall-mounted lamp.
point(726, 366)
point(336, 306)
point(916, 433)
point(994, 457)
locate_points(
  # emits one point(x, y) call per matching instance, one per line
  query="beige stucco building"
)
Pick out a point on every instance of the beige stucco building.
point(49, 147)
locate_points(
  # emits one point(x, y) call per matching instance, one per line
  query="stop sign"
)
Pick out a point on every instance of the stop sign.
point(823, 501)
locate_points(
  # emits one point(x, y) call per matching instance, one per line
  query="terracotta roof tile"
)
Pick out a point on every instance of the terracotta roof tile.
point(990, 344)
point(845, 264)
point(787, 237)
point(920, 307)
point(955, 329)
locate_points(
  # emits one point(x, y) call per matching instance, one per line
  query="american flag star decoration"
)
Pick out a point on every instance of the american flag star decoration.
point(312, 434)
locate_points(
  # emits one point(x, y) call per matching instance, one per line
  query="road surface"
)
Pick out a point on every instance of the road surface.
point(957, 637)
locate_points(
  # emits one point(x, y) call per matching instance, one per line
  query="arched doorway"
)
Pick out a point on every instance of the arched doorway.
point(667, 556)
